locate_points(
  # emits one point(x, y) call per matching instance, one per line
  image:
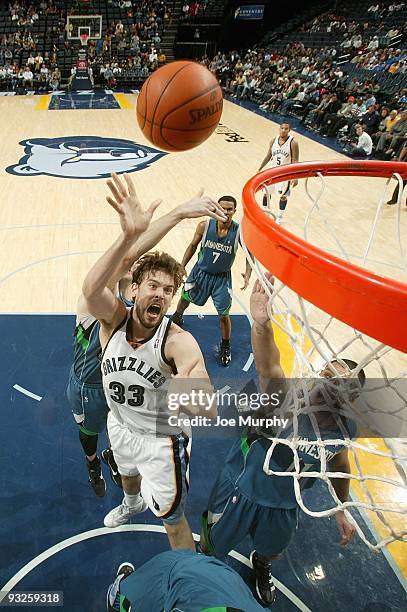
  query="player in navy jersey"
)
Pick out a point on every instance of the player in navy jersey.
point(211, 275)
point(180, 581)
point(245, 500)
point(85, 389)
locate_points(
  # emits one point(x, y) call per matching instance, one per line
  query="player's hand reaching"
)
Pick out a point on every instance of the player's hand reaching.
point(133, 219)
point(200, 206)
point(346, 529)
point(259, 301)
point(246, 280)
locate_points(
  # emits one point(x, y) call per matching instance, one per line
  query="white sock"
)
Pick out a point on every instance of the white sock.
point(131, 501)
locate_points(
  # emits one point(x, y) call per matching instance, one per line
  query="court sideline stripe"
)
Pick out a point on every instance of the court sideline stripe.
point(93, 533)
point(28, 393)
point(43, 103)
point(123, 101)
point(389, 557)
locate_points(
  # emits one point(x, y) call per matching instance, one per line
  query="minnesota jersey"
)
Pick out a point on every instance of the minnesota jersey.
point(216, 254)
point(135, 379)
point(87, 349)
point(281, 153)
point(245, 461)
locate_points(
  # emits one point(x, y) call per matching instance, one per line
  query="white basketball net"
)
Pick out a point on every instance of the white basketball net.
point(313, 336)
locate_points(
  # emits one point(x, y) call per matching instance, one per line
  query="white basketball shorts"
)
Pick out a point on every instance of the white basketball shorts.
point(162, 462)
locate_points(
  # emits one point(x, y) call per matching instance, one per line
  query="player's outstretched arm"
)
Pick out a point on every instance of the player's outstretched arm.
point(193, 245)
point(340, 463)
point(100, 301)
point(247, 273)
point(265, 350)
point(198, 206)
point(192, 378)
point(266, 159)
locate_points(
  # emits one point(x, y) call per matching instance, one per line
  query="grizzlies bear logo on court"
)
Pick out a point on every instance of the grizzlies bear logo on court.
point(83, 157)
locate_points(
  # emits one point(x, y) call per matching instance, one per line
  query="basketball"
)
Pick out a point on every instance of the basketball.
point(179, 106)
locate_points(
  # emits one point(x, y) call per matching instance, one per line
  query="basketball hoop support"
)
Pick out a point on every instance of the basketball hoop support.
point(374, 305)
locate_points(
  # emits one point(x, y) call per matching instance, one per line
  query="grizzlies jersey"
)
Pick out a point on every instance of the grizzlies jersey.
point(244, 463)
point(87, 349)
point(281, 154)
point(135, 379)
point(216, 254)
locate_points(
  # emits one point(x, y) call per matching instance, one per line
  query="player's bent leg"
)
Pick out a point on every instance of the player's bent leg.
point(272, 532)
point(89, 408)
point(115, 602)
point(182, 305)
point(94, 467)
point(145, 588)
point(222, 298)
point(282, 206)
point(225, 352)
point(125, 445)
point(89, 440)
point(228, 519)
point(179, 533)
point(164, 484)
point(107, 456)
point(132, 504)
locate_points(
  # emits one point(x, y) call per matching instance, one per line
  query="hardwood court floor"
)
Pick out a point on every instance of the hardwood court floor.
point(53, 228)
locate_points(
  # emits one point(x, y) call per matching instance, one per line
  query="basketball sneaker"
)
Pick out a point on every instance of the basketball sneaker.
point(225, 353)
point(113, 599)
point(265, 587)
point(108, 458)
point(123, 513)
point(178, 319)
point(96, 480)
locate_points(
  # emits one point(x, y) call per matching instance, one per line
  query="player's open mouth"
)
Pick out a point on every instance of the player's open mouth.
point(153, 310)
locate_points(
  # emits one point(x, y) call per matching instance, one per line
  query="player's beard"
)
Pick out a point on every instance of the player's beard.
point(145, 320)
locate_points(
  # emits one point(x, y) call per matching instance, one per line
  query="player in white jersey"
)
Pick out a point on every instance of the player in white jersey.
point(143, 352)
point(282, 150)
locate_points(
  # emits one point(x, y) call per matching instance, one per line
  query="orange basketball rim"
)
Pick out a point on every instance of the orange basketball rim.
point(374, 305)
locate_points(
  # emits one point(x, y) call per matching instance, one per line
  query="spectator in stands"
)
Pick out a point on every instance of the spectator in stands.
point(394, 137)
point(287, 105)
point(185, 11)
point(38, 61)
point(193, 10)
point(357, 41)
point(27, 77)
point(371, 119)
point(55, 79)
point(384, 119)
point(331, 108)
point(363, 147)
point(347, 42)
point(374, 43)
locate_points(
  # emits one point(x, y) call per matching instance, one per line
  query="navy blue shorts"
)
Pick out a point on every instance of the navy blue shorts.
point(231, 516)
point(200, 286)
point(88, 404)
